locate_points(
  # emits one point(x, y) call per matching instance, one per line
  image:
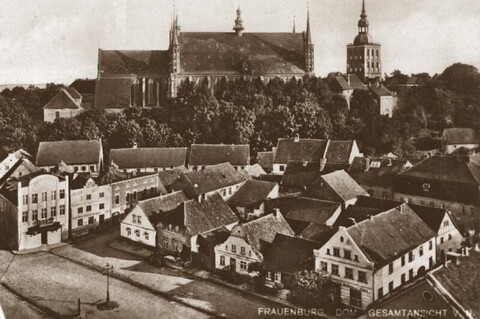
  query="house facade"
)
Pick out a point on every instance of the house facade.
point(370, 259)
point(454, 139)
point(35, 210)
point(11, 159)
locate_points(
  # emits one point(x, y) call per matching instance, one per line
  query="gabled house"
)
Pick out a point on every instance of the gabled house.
point(336, 187)
point(299, 175)
point(248, 241)
point(178, 229)
point(16, 164)
point(372, 258)
point(205, 155)
point(377, 175)
point(85, 156)
point(341, 87)
point(454, 139)
point(148, 159)
point(11, 159)
point(249, 200)
point(168, 178)
point(386, 100)
point(223, 179)
point(336, 153)
point(67, 103)
point(206, 243)
point(140, 223)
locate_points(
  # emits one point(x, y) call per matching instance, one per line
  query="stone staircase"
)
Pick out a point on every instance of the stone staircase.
point(283, 294)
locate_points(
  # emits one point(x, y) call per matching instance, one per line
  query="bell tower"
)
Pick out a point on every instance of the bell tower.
point(238, 27)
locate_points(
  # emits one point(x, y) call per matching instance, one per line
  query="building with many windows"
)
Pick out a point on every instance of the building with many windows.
point(34, 210)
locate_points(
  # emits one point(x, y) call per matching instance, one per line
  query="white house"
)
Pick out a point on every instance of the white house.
point(12, 159)
point(370, 259)
point(67, 103)
point(456, 138)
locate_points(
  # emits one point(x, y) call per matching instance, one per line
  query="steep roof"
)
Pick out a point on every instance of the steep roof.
point(212, 154)
point(289, 254)
point(318, 232)
point(383, 175)
point(254, 170)
point(148, 157)
point(341, 187)
point(209, 179)
point(339, 84)
point(265, 159)
point(251, 194)
point(252, 53)
point(169, 177)
point(312, 210)
point(339, 151)
point(113, 92)
point(133, 62)
point(84, 86)
point(71, 152)
point(63, 100)
point(432, 216)
point(388, 235)
point(447, 168)
point(309, 150)
point(300, 174)
point(380, 90)
point(355, 82)
point(461, 281)
point(199, 217)
point(265, 229)
point(457, 135)
point(156, 206)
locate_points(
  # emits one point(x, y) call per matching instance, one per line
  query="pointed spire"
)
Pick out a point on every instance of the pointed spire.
point(363, 7)
point(293, 24)
point(309, 36)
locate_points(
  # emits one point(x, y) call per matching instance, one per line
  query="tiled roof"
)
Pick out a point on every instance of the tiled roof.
point(154, 207)
point(312, 210)
point(265, 229)
point(71, 152)
point(265, 159)
point(447, 168)
point(289, 254)
point(309, 150)
point(252, 53)
point(460, 136)
point(148, 157)
point(462, 281)
point(339, 84)
point(133, 62)
point(336, 186)
point(388, 235)
point(251, 194)
point(73, 93)
point(339, 151)
point(63, 100)
point(169, 177)
point(215, 236)
point(212, 154)
point(380, 90)
point(199, 217)
point(383, 175)
point(113, 93)
point(210, 179)
point(318, 232)
point(84, 86)
point(355, 82)
point(254, 170)
point(300, 174)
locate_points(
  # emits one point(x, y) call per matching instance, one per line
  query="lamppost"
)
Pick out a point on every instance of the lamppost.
point(107, 271)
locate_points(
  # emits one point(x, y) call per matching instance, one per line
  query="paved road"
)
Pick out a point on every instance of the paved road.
point(194, 291)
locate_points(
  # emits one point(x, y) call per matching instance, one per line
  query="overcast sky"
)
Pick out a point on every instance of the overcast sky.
point(58, 40)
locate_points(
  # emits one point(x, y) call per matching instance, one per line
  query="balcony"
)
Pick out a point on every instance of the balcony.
point(40, 226)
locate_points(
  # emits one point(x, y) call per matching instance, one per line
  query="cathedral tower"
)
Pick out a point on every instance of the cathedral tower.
point(363, 55)
point(174, 53)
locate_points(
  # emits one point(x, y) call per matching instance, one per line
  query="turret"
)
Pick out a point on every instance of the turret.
point(238, 27)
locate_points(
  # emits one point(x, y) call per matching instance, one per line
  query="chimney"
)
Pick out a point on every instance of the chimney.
point(457, 260)
point(370, 217)
point(323, 163)
point(134, 145)
point(348, 78)
point(297, 138)
point(352, 220)
point(276, 211)
point(367, 163)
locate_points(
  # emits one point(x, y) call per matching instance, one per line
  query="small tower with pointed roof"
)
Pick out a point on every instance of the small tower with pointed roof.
point(308, 49)
point(363, 55)
point(174, 53)
point(238, 27)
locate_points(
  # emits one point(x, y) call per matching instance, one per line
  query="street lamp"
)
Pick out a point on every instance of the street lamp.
point(108, 305)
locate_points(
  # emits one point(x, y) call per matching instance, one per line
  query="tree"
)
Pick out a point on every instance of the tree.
point(311, 288)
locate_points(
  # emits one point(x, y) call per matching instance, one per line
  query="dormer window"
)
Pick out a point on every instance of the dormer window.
point(426, 187)
point(375, 164)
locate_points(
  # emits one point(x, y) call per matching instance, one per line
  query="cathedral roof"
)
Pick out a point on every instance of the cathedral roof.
point(133, 62)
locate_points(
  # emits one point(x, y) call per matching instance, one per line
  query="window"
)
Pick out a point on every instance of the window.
point(89, 208)
point(390, 286)
point(268, 275)
point(53, 211)
point(224, 192)
point(277, 276)
point(445, 223)
point(62, 209)
point(134, 218)
point(347, 254)
point(44, 213)
point(139, 219)
point(137, 233)
point(89, 197)
point(234, 248)
point(62, 193)
point(442, 205)
point(426, 187)
point(430, 245)
point(410, 274)
point(146, 235)
point(229, 191)
point(242, 250)
point(362, 276)
point(165, 243)
point(334, 270)
point(25, 199)
point(328, 251)
point(80, 210)
point(441, 240)
point(390, 268)
point(432, 204)
point(34, 198)
point(57, 114)
point(75, 169)
point(24, 216)
point(420, 251)
point(127, 197)
point(101, 206)
point(403, 278)
point(348, 273)
point(355, 297)
point(117, 199)
point(53, 195)
point(92, 168)
point(243, 265)
point(91, 220)
point(101, 195)
point(282, 168)
point(449, 236)
point(84, 168)
point(356, 258)
point(403, 260)
point(411, 257)
point(80, 222)
point(380, 292)
point(129, 231)
point(410, 200)
point(336, 252)
point(385, 195)
point(222, 260)
point(324, 266)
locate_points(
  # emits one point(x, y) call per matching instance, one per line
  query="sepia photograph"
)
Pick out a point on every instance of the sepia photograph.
point(188, 159)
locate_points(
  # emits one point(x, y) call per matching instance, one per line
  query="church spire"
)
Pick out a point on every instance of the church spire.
point(308, 48)
point(309, 36)
point(293, 24)
point(363, 22)
point(238, 27)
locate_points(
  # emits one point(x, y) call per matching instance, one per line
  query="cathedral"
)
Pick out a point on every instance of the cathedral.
point(137, 78)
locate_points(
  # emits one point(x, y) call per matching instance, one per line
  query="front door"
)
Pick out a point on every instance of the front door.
point(233, 264)
point(45, 237)
point(102, 219)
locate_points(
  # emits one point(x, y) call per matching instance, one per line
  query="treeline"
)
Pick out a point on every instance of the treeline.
point(257, 114)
